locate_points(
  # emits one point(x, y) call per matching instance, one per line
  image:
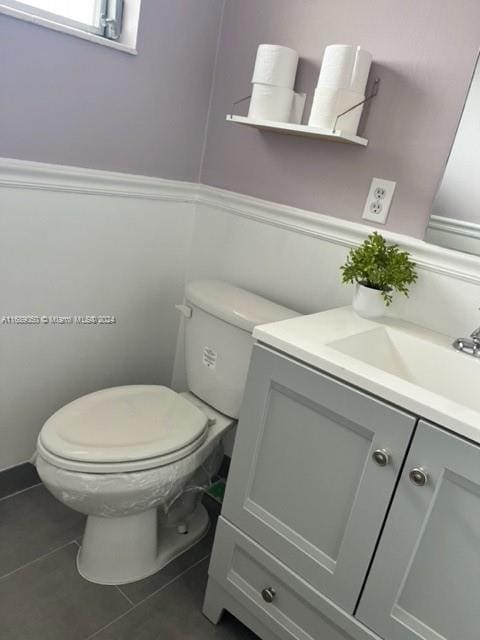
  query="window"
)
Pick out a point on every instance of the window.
point(85, 15)
point(96, 20)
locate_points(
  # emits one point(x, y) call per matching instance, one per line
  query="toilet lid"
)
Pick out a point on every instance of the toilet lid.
point(123, 424)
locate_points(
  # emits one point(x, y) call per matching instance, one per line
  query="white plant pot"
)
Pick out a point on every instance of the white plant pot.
point(368, 303)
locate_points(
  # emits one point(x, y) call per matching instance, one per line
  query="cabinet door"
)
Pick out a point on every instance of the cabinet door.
point(425, 579)
point(303, 482)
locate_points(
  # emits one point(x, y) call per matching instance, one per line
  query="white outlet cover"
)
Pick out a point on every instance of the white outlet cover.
point(379, 200)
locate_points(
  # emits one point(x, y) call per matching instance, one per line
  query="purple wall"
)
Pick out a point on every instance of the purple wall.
point(425, 54)
point(67, 101)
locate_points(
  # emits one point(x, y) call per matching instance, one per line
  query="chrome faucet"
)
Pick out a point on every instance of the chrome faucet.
point(471, 345)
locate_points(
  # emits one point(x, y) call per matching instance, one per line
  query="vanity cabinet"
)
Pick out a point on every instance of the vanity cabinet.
point(344, 517)
point(425, 578)
point(303, 482)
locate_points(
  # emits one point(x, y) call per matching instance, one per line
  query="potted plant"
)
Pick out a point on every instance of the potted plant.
point(378, 270)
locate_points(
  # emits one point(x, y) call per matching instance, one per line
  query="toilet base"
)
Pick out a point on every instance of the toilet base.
point(122, 550)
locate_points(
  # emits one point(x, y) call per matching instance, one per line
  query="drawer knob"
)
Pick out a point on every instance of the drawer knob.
point(268, 594)
point(418, 476)
point(381, 457)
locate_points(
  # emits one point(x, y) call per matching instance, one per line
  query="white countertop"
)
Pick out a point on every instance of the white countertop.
point(309, 339)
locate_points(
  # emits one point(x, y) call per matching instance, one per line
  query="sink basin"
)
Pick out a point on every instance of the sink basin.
point(407, 365)
point(432, 364)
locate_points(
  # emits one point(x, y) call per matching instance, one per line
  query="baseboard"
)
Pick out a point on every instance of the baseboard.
point(18, 478)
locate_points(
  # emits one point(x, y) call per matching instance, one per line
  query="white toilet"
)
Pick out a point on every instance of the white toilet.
point(136, 459)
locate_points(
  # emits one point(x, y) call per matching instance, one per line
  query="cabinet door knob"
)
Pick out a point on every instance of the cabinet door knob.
point(418, 476)
point(381, 457)
point(268, 594)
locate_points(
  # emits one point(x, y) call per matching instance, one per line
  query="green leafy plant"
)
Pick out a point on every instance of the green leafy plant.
point(377, 265)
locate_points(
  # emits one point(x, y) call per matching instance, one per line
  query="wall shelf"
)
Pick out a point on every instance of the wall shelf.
point(299, 130)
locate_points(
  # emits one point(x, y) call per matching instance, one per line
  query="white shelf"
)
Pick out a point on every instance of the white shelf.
point(299, 130)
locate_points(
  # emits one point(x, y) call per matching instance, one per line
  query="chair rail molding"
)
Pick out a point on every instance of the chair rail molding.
point(53, 177)
point(429, 257)
point(50, 177)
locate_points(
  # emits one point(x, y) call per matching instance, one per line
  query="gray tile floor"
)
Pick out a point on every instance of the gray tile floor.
point(43, 597)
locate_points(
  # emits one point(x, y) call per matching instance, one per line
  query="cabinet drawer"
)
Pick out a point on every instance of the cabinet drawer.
point(244, 569)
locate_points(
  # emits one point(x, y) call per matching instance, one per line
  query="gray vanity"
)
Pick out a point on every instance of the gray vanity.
point(346, 516)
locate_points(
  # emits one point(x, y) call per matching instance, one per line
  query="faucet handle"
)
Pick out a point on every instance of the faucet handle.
point(475, 335)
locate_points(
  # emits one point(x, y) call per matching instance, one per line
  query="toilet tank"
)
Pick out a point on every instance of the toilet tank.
point(218, 339)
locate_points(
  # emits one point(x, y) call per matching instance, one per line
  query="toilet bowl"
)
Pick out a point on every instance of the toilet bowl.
point(142, 511)
point(136, 459)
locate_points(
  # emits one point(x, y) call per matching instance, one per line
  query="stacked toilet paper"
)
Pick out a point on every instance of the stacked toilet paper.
point(273, 79)
point(341, 84)
point(298, 107)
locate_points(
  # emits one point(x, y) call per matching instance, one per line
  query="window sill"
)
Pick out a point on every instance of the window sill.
point(72, 31)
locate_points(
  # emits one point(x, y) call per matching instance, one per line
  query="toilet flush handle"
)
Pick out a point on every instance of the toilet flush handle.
point(184, 309)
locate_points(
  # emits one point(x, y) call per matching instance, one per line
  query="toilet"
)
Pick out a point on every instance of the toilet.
point(136, 459)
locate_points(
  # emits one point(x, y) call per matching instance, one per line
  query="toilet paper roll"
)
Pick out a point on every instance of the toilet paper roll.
point(345, 67)
point(337, 66)
point(361, 70)
point(328, 103)
point(270, 103)
point(298, 107)
point(275, 65)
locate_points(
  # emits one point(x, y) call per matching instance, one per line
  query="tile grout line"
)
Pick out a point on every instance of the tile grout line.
point(12, 495)
point(125, 596)
point(44, 555)
point(154, 593)
point(130, 602)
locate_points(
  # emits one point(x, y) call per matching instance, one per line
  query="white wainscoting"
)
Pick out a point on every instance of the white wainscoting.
point(338, 231)
point(294, 257)
point(82, 241)
point(75, 241)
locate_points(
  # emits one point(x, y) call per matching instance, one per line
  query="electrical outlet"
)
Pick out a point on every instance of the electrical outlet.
point(379, 200)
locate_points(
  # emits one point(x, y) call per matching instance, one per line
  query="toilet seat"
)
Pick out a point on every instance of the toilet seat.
point(127, 428)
